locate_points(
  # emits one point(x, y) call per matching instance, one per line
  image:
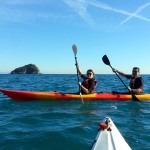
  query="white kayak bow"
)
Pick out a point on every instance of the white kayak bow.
point(109, 137)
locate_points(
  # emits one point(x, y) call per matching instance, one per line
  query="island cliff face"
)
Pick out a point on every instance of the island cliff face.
point(27, 69)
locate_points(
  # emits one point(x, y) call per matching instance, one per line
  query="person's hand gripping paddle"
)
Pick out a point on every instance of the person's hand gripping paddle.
point(107, 62)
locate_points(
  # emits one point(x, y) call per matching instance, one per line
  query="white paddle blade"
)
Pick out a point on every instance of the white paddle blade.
point(74, 48)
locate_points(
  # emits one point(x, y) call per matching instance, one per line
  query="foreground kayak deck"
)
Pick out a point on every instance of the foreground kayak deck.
point(32, 95)
point(109, 137)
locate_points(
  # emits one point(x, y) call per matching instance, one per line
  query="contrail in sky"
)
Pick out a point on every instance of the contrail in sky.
point(9, 12)
point(136, 14)
point(81, 7)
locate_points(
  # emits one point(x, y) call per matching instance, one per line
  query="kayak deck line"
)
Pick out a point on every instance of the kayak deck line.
point(37, 95)
point(109, 137)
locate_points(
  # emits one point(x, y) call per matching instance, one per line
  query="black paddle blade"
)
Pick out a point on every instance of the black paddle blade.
point(106, 60)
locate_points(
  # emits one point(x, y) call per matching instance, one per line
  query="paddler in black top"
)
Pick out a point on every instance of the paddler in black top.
point(89, 84)
point(136, 82)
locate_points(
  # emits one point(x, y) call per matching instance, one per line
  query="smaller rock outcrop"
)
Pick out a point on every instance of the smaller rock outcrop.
point(27, 69)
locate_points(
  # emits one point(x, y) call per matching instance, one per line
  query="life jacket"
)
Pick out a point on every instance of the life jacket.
point(134, 82)
point(85, 83)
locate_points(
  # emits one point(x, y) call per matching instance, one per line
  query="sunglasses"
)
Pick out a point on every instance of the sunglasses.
point(135, 71)
point(89, 73)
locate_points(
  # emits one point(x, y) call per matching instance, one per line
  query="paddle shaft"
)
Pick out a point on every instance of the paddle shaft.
point(120, 79)
point(74, 48)
point(107, 62)
point(77, 73)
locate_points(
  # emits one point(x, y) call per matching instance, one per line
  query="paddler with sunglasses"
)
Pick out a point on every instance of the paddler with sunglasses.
point(89, 83)
point(136, 82)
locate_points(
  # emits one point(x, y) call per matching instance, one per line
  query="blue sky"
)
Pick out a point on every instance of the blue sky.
point(42, 32)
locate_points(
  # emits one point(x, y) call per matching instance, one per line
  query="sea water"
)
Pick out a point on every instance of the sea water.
point(68, 125)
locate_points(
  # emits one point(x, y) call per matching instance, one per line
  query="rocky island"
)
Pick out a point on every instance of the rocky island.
point(27, 69)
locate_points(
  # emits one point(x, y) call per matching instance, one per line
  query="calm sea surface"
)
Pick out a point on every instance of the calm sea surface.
point(68, 125)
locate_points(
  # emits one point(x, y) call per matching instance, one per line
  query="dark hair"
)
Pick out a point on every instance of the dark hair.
point(90, 70)
point(136, 68)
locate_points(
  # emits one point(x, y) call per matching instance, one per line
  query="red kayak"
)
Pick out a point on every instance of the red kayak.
point(32, 95)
